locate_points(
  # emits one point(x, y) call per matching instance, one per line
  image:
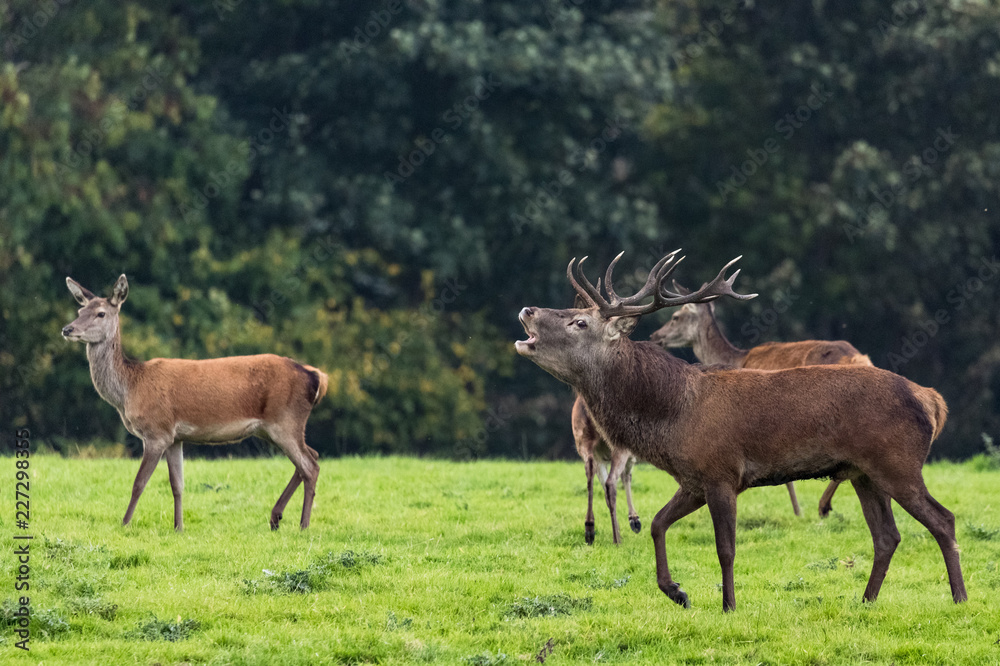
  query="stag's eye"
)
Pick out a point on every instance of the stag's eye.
point(580, 323)
point(101, 314)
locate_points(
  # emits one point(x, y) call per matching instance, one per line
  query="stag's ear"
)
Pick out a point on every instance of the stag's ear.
point(621, 327)
point(579, 303)
point(120, 292)
point(80, 293)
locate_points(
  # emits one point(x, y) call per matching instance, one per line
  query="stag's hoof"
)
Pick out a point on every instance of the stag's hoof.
point(824, 510)
point(588, 533)
point(635, 524)
point(275, 522)
point(677, 595)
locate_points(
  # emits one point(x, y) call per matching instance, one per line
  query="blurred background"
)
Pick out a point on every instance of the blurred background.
point(376, 188)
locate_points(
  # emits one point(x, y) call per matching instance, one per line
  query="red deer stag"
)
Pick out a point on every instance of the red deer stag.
point(166, 401)
point(694, 325)
point(720, 431)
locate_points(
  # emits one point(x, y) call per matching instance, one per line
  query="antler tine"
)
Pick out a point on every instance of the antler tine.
point(612, 296)
point(589, 293)
point(710, 291)
point(576, 285)
point(656, 287)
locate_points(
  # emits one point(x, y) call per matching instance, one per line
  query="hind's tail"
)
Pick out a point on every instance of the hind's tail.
point(322, 383)
point(936, 408)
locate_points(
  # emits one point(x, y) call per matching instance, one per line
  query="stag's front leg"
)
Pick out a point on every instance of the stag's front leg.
point(680, 505)
point(175, 466)
point(722, 505)
point(152, 451)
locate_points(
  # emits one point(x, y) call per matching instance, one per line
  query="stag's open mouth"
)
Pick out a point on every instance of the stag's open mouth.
point(525, 346)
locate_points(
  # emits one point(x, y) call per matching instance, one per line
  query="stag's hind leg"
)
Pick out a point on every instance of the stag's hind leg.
point(722, 505)
point(940, 522)
point(877, 508)
point(825, 502)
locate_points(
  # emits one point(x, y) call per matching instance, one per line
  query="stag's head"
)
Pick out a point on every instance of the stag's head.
point(567, 343)
point(686, 324)
point(97, 319)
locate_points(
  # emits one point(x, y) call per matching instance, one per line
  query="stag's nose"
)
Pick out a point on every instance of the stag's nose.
point(67, 330)
point(526, 312)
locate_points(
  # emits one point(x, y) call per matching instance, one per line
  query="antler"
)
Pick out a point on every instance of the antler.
point(616, 306)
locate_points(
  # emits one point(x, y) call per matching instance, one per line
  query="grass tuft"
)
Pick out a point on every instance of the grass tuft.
point(485, 659)
point(982, 532)
point(312, 578)
point(550, 605)
point(156, 629)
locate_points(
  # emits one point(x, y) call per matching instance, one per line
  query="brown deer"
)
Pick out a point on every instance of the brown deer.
point(720, 431)
point(694, 325)
point(167, 401)
point(596, 455)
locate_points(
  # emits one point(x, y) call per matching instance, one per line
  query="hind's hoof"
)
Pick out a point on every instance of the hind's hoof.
point(635, 524)
point(588, 533)
point(275, 521)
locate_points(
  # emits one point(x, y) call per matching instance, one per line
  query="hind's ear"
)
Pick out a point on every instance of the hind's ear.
point(80, 293)
point(120, 292)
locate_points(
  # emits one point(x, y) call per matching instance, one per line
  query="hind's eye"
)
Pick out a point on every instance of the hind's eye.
point(100, 314)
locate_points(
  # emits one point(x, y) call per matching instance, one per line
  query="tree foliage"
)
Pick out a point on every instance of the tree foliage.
point(376, 189)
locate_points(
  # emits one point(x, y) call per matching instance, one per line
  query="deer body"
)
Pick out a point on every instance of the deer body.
point(720, 431)
point(166, 402)
point(694, 325)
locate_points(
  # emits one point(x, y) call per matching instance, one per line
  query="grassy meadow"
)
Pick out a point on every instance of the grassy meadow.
point(426, 561)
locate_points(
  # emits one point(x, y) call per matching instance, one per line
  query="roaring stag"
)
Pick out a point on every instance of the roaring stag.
point(721, 431)
point(167, 401)
point(694, 325)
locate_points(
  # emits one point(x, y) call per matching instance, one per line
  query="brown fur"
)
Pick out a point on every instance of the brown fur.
point(695, 325)
point(166, 402)
point(719, 431)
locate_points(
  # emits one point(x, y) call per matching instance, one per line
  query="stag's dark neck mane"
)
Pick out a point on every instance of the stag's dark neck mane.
point(712, 346)
point(636, 385)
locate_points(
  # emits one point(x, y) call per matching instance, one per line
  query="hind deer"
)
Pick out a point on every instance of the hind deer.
point(167, 401)
point(720, 431)
point(694, 325)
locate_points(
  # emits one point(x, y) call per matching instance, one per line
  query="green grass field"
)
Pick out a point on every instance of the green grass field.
point(417, 561)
